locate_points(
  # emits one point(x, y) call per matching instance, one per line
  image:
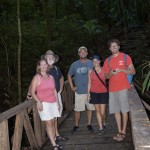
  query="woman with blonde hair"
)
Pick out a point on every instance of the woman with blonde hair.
point(44, 93)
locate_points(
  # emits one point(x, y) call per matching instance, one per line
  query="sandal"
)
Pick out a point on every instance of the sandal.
point(119, 137)
point(123, 135)
point(61, 138)
point(57, 147)
point(54, 147)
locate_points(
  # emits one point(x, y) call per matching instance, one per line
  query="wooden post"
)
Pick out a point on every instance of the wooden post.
point(4, 136)
point(29, 131)
point(17, 137)
point(43, 131)
point(37, 126)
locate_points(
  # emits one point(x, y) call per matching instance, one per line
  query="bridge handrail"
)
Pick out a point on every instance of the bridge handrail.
point(35, 129)
point(140, 122)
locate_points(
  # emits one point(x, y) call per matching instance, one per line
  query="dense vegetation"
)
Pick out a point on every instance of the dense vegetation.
point(63, 26)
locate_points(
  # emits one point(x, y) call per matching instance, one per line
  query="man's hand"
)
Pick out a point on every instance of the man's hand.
point(74, 88)
point(88, 97)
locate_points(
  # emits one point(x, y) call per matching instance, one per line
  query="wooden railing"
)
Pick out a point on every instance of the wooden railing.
point(26, 115)
point(140, 123)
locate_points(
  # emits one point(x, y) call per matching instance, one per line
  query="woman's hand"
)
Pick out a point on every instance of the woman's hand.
point(29, 96)
point(39, 106)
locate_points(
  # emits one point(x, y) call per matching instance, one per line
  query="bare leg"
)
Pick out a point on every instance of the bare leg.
point(77, 118)
point(56, 128)
point(98, 115)
point(103, 112)
point(118, 121)
point(89, 114)
point(50, 128)
point(125, 121)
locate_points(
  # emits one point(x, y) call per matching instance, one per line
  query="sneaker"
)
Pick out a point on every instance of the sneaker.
point(101, 131)
point(104, 126)
point(89, 127)
point(75, 129)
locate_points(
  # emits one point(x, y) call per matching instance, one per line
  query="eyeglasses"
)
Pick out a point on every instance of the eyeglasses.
point(83, 69)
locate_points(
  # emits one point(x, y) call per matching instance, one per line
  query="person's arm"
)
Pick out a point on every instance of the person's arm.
point(89, 84)
point(129, 70)
point(33, 86)
point(29, 93)
point(71, 83)
point(56, 94)
point(61, 84)
point(108, 72)
point(108, 75)
point(130, 67)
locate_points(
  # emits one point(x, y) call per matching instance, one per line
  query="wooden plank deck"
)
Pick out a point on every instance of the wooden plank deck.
point(84, 140)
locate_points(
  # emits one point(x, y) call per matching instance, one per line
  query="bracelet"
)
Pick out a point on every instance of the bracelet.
point(29, 95)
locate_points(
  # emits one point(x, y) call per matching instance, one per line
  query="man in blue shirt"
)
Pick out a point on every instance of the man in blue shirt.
point(78, 80)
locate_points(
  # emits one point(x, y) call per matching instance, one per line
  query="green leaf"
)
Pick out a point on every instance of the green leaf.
point(145, 83)
point(148, 86)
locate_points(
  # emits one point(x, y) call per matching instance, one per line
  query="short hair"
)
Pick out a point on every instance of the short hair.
point(113, 41)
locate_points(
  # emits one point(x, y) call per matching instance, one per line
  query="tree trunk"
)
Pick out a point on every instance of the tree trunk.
point(47, 18)
point(19, 53)
point(122, 10)
point(7, 62)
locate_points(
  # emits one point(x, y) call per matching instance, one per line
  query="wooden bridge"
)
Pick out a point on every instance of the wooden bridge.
point(23, 122)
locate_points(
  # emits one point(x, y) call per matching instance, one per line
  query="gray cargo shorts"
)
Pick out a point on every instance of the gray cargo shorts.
point(119, 101)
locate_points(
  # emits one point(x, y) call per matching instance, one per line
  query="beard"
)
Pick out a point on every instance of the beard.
point(83, 57)
point(51, 62)
point(115, 52)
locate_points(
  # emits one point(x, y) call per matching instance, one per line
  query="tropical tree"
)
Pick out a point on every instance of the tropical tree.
point(19, 52)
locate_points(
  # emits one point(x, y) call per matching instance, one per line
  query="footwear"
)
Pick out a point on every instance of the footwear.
point(61, 138)
point(54, 147)
point(57, 147)
point(75, 129)
point(104, 126)
point(89, 127)
point(119, 137)
point(101, 131)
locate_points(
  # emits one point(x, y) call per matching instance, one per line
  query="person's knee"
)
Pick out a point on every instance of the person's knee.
point(97, 111)
point(49, 123)
point(103, 114)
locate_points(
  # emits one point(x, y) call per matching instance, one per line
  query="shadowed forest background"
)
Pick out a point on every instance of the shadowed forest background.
point(29, 28)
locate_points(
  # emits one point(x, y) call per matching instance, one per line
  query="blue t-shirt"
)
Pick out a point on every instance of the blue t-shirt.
point(56, 73)
point(79, 71)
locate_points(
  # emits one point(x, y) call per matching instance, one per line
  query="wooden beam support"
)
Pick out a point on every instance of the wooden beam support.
point(17, 137)
point(4, 136)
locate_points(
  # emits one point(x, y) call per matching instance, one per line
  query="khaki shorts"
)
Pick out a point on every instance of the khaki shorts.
point(119, 102)
point(81, 102)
